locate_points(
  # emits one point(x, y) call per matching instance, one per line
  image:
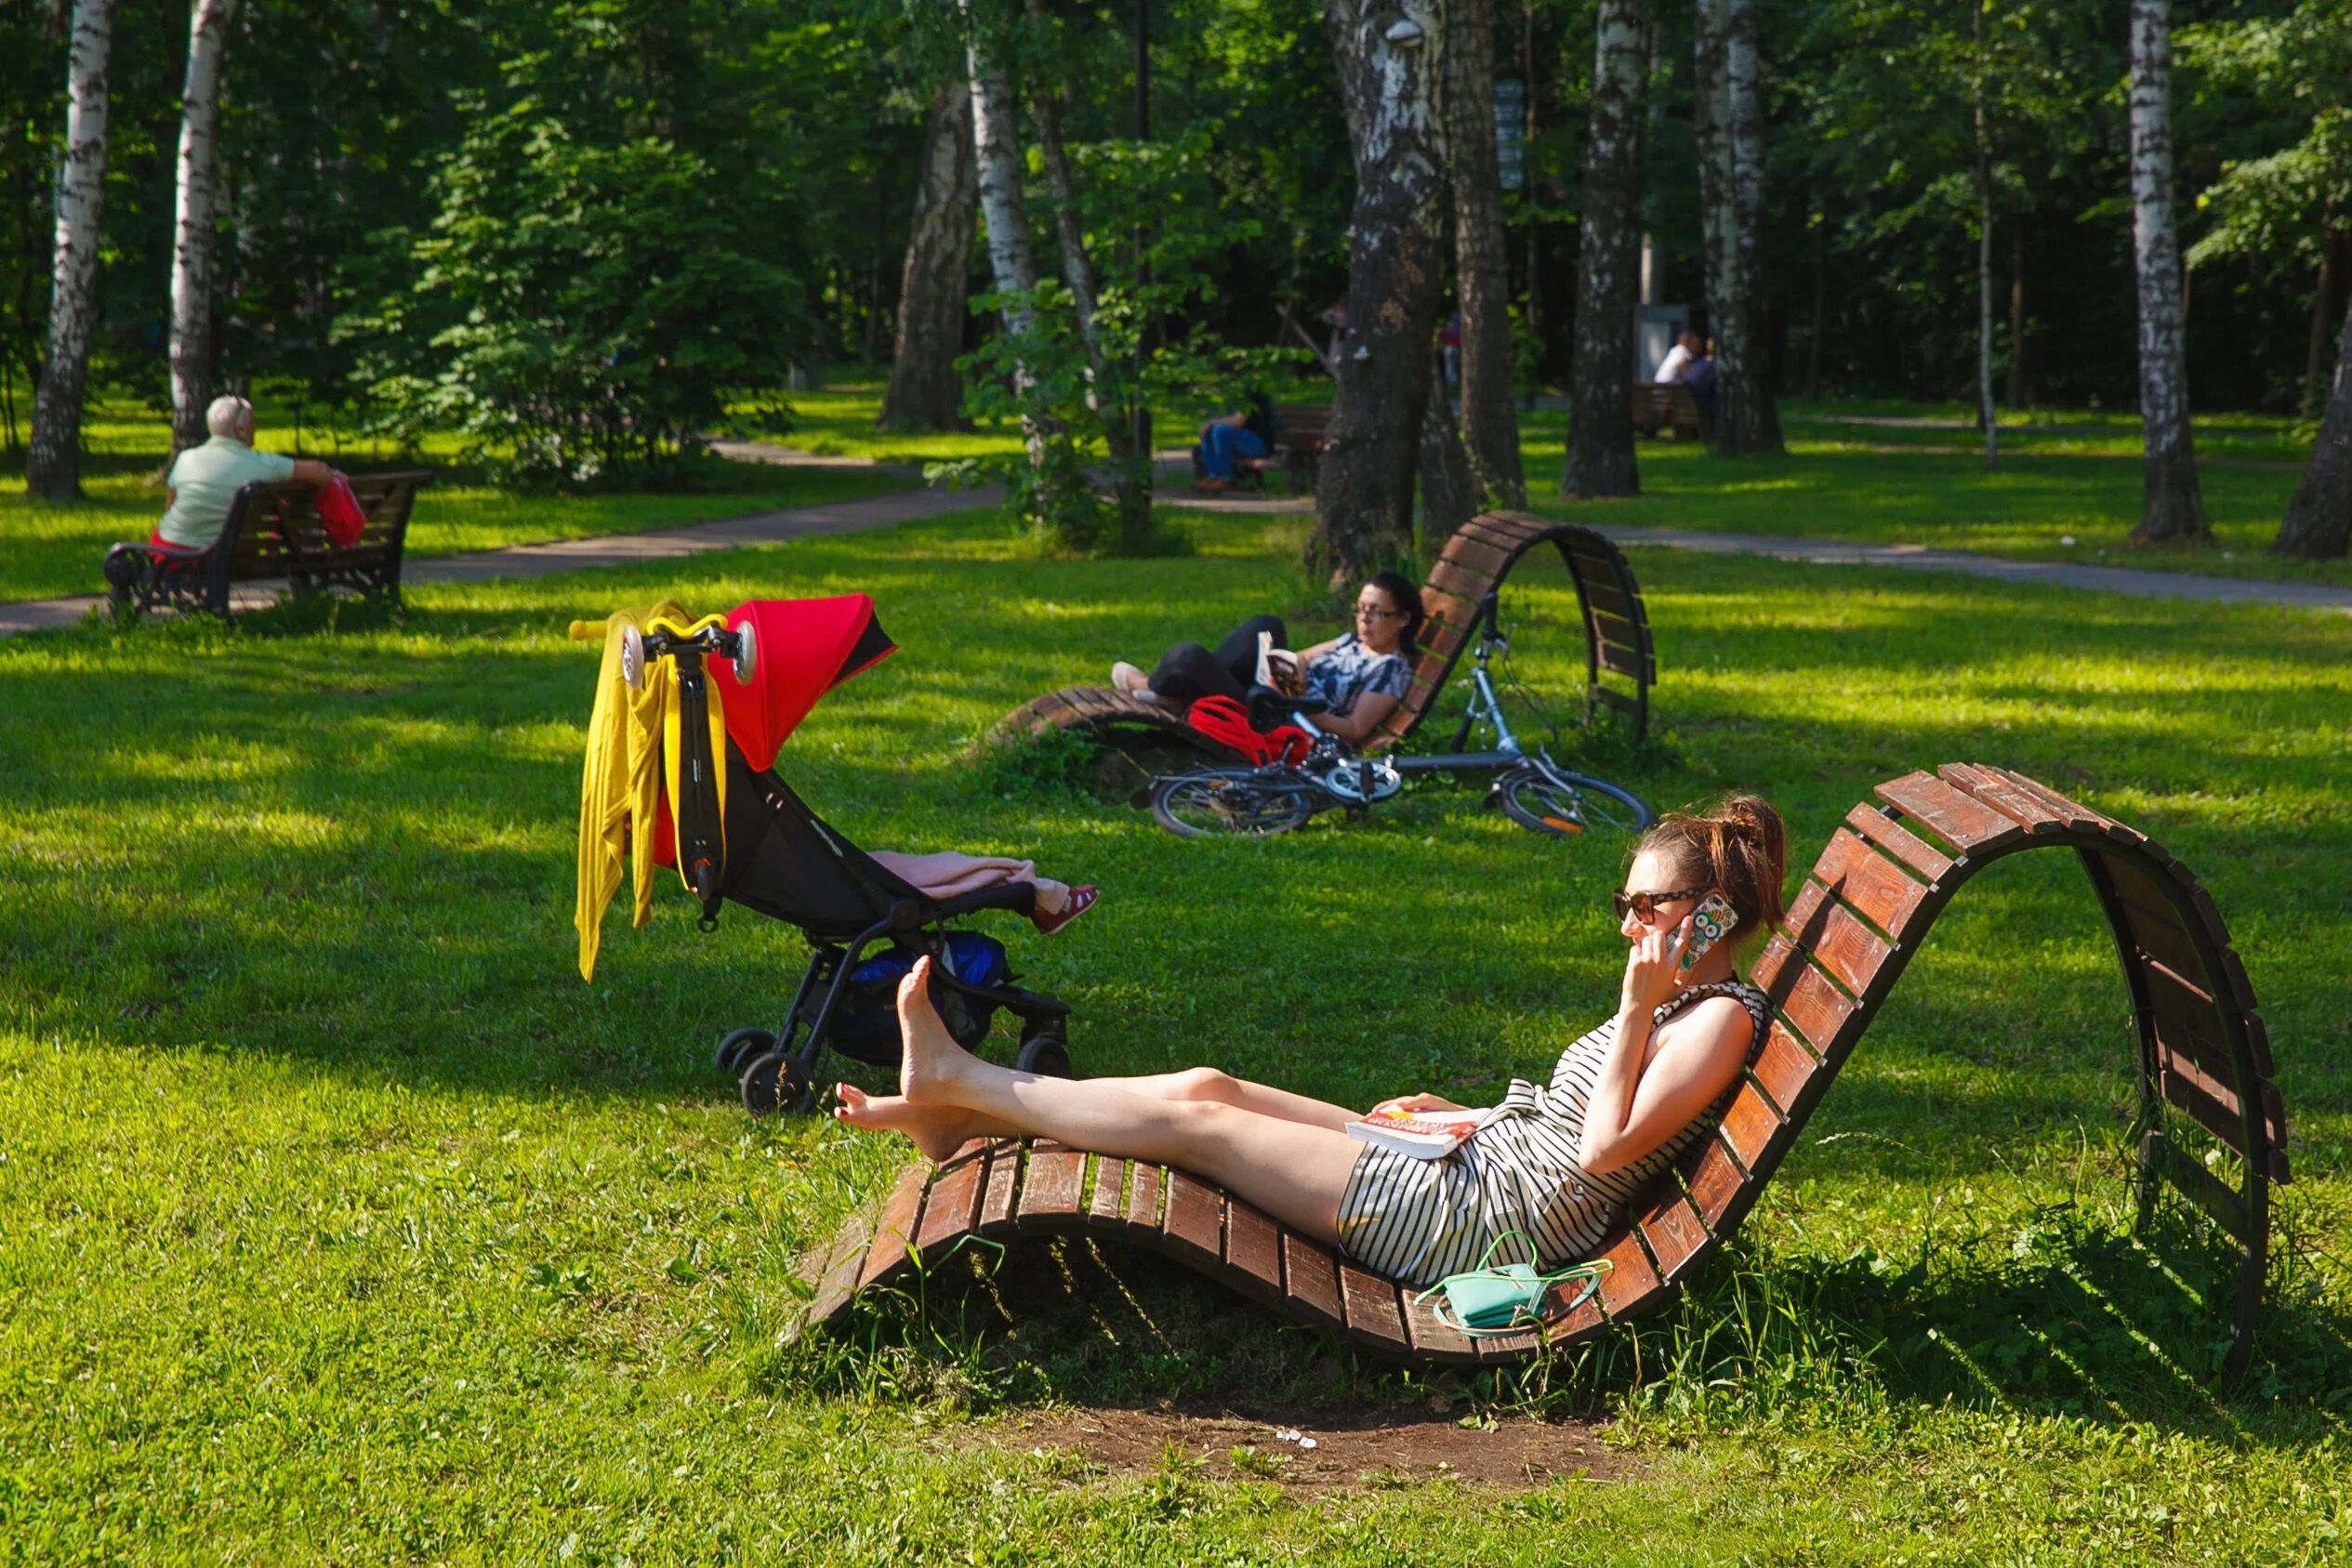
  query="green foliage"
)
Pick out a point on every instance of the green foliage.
point(2295, 73)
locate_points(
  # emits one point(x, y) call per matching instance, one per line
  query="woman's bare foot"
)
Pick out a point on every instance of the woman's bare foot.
point(937, 1130)
point(929, 1062)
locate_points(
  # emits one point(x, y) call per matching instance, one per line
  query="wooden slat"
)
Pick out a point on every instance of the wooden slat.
point(1991, 789)
point(1459, 581)
point(1748, 1124)
point(1439, 605)
point(2161, 938)
point(1110, 1182)
point(1253, 1252)
point(1050, 1192)
point(2189, 1022)
point(1783, 1068)
point(1630, 1282)
point(1375, 1315)
point(895, 1228)
point(1817, 1009)
point(1715, 1180)
point(1194, 1221)
point(1674, 1232)
point(2210, 1105)
point(1838, 942)
point(1441, 638)
point(1623, 661)
point(1968, 824)
point(1143, 1195)
point(1617, 628)
point(2199, 1186)
point(2069, 812)
point(953, 1206)
point(1869, 882)
point(1602, 593)
point(1429, 1337)
point(1616, 699)
point(837, 1282)
point(1896, 840)
point(1004, 1186)
point(1311, 1279)
point(1478, 556)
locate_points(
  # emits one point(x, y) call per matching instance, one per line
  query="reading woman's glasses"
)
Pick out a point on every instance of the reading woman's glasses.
point(1646, 904)
point(1374, 613)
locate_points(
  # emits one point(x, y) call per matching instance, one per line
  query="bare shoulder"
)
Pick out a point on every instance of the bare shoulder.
point(1709, 1021)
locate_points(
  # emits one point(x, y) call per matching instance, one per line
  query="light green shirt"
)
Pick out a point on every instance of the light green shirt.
point(205, 479)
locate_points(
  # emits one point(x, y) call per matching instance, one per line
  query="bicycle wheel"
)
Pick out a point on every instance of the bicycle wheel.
point(1571, 805)
point(1237, 802)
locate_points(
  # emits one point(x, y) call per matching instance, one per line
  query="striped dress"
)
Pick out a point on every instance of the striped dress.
point(1418, 1220)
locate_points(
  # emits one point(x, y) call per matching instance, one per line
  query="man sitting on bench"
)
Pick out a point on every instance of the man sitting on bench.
point(1234, 443)
point(205, 479)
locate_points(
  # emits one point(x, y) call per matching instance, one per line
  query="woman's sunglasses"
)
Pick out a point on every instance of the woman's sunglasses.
point(1646, 904)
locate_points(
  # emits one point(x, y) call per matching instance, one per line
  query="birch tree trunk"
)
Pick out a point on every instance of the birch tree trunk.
point(2172, 505)
point(1711, 138)
point(53, 461)
point(924, 390)
point(997, 154)
point(1131, 480)
point(2318, 521)
point(191, 335)
point(1482, 267)
point(1390, 61)
point(1747, 416)
point(1608, 280)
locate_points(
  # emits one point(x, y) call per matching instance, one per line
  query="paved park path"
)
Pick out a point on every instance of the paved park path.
point(601, 549)
point(2134, 581)
point(903, 506)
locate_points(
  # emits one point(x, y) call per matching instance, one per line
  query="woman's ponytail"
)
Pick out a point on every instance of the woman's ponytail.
point(1736, 845)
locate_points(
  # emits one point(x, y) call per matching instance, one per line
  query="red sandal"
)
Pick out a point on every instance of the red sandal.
point(1083, 899)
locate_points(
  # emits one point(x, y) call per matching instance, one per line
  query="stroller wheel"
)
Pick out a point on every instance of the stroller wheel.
point(776, 1082)
point(737, 1047)
point(1045, 1048)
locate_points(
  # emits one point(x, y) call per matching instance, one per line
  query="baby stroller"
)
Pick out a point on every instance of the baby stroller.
point(701, 709)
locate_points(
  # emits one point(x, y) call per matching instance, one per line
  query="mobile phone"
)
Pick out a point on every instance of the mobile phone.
point(1709, 923)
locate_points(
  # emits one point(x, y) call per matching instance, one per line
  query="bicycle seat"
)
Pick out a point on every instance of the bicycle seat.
point(1269, 708)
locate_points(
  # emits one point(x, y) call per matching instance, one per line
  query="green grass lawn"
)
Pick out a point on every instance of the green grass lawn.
point(47, 549)
point(339, 1219)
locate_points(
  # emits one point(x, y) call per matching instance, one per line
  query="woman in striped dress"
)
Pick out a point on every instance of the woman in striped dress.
point(1557, 1163)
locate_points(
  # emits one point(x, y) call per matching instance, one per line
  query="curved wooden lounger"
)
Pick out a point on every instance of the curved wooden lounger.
point(1887, 874)
point(1475, 561)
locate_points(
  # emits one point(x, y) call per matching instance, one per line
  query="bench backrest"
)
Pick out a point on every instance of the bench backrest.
point(1619, 663)
point(275, 528)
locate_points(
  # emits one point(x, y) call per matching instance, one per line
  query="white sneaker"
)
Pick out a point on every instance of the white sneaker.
point(1126, 678)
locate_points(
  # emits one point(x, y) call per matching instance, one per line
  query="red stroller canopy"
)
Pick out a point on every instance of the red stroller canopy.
point(801, 649)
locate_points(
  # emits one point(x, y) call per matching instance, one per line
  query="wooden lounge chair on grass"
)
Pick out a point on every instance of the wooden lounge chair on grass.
point(1619, 665)
point(2209, 1128)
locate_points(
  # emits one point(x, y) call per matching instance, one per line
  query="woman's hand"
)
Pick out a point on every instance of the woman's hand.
point(1414, 1103)
point(1649, 967)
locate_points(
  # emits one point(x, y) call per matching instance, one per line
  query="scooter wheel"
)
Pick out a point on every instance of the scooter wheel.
point(737, 1047)
point(1045, 1048)
point(776, 1082)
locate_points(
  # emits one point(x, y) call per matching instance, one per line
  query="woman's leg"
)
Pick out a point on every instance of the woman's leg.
point(1238, 653)
point(1294, 1170)
point(1188, 672)
point(939, 1133)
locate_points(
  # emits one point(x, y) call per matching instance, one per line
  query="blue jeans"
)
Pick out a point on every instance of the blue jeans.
point(1220, 443)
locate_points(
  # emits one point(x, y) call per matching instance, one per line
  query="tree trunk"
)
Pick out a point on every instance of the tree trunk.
point(997, 154)
point(1713, 141)
point(2315, 365)
point(1132, 479)
point(1747, 415)
point(1986, 416)
point(2172, 505)
point(1450, 493)
point(924, 390)
point(1608, 263)
point(1389, 86)
point(2318, 521)
point(2017, 315)
point(1482, 267)
point(192, 337)
point(53, 461)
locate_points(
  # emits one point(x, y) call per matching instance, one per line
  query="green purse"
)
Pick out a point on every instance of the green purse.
point(1505, 1298)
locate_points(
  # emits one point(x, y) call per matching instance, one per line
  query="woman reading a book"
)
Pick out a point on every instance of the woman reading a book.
point(1557, 1163)
point(1361, 675)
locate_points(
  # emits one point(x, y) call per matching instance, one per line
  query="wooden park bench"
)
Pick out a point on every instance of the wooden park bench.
point(1668, 407)
point(272, 533)
point(1298, 442)
point(1619, 664)
point(2209, 1126)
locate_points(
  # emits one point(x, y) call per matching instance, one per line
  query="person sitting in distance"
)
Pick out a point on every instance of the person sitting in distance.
point(1361, 675)
point(1557, 1163)
point(1233, 442)
point(205, 479)
point(1676, 365)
